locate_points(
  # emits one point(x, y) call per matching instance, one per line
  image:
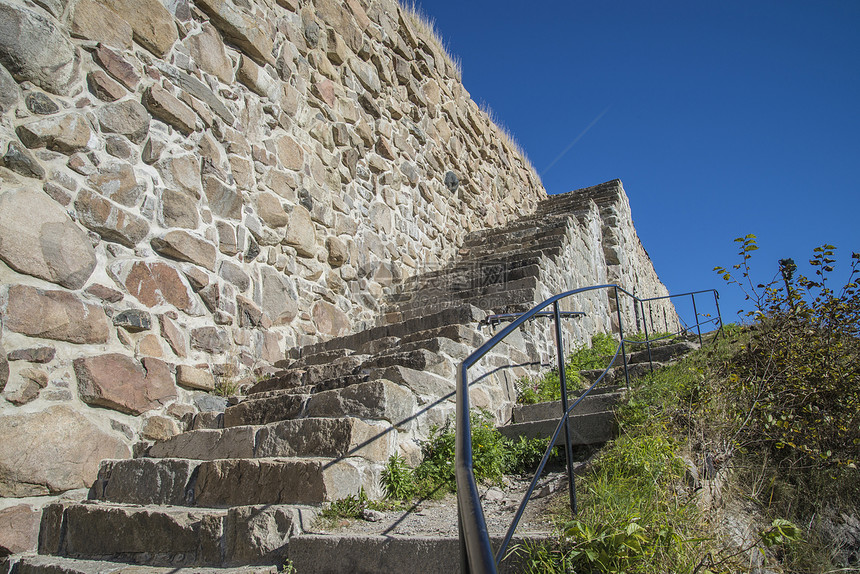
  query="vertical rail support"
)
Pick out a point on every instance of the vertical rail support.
point(698, 323)
point(637, 308)
point(621, 334)
point(717, 303)
point(562, 377)
point(465, 567)
point(647, 338)
point(651, 314)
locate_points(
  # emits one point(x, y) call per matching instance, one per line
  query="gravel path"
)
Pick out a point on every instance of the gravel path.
point(439, 517)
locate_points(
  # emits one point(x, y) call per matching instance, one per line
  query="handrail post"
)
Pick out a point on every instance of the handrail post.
point(696, 313)
point(562, 377)
point(717, 303)
point(621, 334)
point(465, 567)
point(637, 308)
point(647, 338)
point(651, 314)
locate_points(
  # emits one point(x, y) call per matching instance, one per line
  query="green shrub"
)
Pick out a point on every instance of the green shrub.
point(798, 380)
point(493, 456)
point(526, 454)
point(791, 419)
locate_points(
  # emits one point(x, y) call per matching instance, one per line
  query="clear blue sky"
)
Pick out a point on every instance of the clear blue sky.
point(721, 118)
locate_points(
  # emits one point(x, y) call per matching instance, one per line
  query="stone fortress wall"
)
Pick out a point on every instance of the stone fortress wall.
point(189, 189)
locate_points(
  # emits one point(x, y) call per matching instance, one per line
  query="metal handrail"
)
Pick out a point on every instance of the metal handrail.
point(476, 552)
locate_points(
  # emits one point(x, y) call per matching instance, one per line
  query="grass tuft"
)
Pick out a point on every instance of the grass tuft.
point(425, 26)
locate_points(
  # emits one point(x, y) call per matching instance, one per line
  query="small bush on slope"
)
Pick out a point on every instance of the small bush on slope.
point(771, 408)
point(493, 456)
point(547, 387)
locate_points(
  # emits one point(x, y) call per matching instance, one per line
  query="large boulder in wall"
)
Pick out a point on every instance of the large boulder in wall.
point(33, 47)
point(52, 451)
point(38, 238)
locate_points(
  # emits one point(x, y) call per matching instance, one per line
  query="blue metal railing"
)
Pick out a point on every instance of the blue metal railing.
point(476, 552)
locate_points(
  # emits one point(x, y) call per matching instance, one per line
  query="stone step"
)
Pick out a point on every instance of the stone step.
point(441, 345)
point(419, 359)
point(604, 193)
point(430, 296)
point(455, 340)
point(465, 334)
point(377, 554)
point(223, 483)
point(525, 225)
point(593, 403)
point(615, 375)
point(663, 353)
point(308, 437)
point(593, 428)
point(493, 281)
point(511, 243)
point(476, 268)
point(329, 384)
point(320, 358)
point(60, 565)
point(492, 252)
point(377, 400)
point(260, 411)
point(549, 250)
point(303, 385)
point(513, 301)
point(373, 399)
point(460, 315)
point(388, 396)
point(311, 374)
point(169, 536)
point(638, 364)
point(574, 204)
point(523, 230)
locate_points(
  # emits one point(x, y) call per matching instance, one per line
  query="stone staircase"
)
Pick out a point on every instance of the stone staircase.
point(229, 494)
point(233, 490)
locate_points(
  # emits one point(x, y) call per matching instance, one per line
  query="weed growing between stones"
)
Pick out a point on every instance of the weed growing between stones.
point(226, 387)
point(547, 387)
point(227, 383)
point(355, 506)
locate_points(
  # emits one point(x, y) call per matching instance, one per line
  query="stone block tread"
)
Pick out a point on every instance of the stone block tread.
point(593, 428)
point(593, 403)
point(223, 483)
point(306, 437)
point(463, 314)
point(336, 554)
point(62, 565)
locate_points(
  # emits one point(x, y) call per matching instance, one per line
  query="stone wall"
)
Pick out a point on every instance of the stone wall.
point(190, 188)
